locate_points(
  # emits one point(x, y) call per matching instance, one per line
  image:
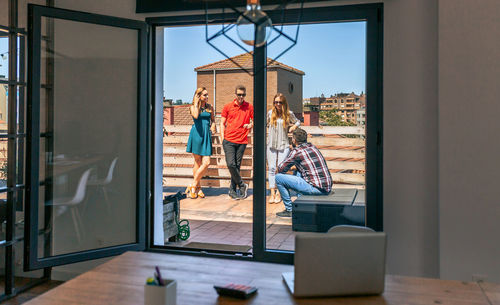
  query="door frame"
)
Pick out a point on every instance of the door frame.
point(372, 14)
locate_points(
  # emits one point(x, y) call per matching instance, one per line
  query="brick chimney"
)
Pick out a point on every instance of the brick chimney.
point(311, 118)
point(168, 115)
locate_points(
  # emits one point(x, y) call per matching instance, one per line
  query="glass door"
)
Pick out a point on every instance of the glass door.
point(345, 127)
point(86, 137)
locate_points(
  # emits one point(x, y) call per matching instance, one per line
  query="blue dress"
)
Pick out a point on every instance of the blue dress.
point(200, 137)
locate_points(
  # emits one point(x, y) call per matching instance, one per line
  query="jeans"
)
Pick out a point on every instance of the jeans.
point(274, 158)
point(234, 155)
point(285, 182)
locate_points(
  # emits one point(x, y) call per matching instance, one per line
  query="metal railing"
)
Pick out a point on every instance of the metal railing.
point(343, 148)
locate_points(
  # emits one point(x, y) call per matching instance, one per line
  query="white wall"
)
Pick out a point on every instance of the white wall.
point(410, 136)
point(413, 218)
point(469, 145)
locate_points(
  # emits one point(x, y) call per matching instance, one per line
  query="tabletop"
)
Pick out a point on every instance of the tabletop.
point(121, 281)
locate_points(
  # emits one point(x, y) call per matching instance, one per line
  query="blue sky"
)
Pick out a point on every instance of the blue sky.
point(4, 47)
point(332, 56)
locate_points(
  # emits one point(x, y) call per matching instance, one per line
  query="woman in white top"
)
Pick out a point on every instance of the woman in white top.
point(280, 122)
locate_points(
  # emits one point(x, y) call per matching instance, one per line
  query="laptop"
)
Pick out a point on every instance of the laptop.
point(338, 263)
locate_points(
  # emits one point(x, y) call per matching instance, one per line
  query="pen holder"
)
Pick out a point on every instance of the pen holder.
point(161, 295)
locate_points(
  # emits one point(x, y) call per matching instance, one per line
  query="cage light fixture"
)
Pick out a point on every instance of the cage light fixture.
point(254, 28)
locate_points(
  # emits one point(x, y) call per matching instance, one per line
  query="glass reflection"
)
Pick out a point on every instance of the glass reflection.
point(88, 137)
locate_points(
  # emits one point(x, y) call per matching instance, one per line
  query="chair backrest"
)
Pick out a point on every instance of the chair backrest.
point(349, 228)
point(111, 169)
point(80, 189)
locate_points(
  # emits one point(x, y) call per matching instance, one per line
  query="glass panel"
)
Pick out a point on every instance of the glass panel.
point(324, 87)
point(4, 13)
point(21, 278)
point(23, 11)
point(3, 162)
point(4, 106)
point(4, 56)
point(88, 144)
point(3, 207)
point(217, 222)
point(4, 99)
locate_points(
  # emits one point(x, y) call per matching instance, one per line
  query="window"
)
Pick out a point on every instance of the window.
point(12, 145)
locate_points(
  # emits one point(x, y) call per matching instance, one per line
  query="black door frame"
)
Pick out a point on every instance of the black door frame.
point(372, 14)
point(35, 14)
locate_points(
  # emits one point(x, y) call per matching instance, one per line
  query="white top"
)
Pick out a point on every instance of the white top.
point(277, 137)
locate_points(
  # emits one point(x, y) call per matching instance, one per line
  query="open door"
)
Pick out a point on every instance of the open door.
point(86, 137)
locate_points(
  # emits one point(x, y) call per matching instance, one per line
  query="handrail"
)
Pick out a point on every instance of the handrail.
point(345, 156)
point(326, 130)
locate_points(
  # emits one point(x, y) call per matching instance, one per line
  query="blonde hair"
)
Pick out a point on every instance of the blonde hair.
point(196, 98)
point(285, 114)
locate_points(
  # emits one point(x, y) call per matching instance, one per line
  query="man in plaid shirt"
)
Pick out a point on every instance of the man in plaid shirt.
point(312, 176)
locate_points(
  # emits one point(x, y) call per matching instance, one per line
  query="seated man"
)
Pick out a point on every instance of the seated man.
point(313, 177)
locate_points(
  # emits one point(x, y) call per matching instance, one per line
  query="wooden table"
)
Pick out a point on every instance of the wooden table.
point(121, 281)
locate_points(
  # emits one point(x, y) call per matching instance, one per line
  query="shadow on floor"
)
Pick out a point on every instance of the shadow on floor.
point(209, 191)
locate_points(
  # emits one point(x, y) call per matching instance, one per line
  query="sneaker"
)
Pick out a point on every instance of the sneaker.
point(244, 191)
point(233, 195)
point(284, 213)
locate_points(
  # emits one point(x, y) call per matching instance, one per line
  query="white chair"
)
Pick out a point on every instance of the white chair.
point(102, 183)
point(73, 202)
point(349, 228)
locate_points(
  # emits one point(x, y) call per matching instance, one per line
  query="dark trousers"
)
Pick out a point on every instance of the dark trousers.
point(234, 155)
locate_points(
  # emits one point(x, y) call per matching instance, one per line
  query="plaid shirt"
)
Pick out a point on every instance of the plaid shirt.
point(311, 165)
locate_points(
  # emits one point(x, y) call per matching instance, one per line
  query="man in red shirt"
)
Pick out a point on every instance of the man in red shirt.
point(236, 122)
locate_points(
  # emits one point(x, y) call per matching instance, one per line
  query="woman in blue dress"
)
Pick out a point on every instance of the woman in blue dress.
point(200, 139)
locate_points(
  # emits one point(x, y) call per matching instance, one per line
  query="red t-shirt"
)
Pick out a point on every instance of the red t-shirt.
point(237, 116)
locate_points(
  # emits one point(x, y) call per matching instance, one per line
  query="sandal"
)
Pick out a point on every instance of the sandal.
point(200, 192)
point(277, 197)
point(191, 192)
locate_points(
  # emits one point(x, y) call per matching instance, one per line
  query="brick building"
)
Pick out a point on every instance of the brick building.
point(177, 115)
point(221, 77)
point(3, 101)
point(346, 105)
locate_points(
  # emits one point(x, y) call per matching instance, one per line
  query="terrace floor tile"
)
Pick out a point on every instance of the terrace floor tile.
point(220, 219)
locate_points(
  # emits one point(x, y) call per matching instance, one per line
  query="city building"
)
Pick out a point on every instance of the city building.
point(346, 105)
point(361, 116)
point(3, 104)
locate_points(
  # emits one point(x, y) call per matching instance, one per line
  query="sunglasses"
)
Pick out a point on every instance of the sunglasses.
point(241, 94)
point(278, 102)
